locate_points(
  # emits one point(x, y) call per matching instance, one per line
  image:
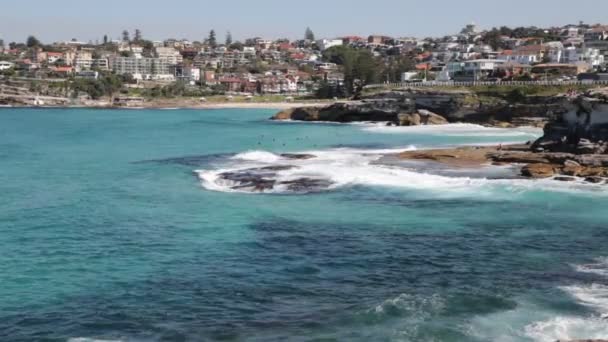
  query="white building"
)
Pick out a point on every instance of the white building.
point(170, 54)
point(90, 63)
point(144, 68)
point(4, 65)
point(324, 44)
point(555, 52)
point(591, 56)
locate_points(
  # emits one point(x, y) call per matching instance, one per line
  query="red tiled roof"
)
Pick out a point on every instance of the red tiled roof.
point(62, 69)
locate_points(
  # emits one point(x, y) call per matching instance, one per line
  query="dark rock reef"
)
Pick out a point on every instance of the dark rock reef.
point(264, 179)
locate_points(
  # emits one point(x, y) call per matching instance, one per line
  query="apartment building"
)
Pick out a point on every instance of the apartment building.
point(141, 67)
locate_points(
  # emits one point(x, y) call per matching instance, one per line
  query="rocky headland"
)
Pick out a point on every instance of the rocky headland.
point(574, 144)
point(409, 107)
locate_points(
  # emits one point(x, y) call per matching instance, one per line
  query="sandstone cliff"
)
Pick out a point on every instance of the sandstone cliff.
point(453, 105)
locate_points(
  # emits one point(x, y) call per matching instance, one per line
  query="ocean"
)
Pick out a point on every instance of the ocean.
point(117, 225)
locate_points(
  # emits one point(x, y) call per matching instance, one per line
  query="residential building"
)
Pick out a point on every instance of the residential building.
point(597, 38)
point(4, 65)
point(170, 54)
point(378, 40)
point(88, 64)
point(141, 67)
point(324, 44)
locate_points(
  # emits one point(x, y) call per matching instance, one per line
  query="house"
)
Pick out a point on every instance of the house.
point(472, 70)
point(555, 52)
point(560, 69)
point(209, 77)
point(527, 54)
point(512, 69)
point(378, 40)
point(232, 84)
point(171, 55)
point(54, 57)
point(62, 70)
point(352, 39)
point(4, 65)
point(591, 56)
point(324, 44)
point(597, 38)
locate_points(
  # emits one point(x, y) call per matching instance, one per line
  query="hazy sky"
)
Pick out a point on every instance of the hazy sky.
point(58, 20)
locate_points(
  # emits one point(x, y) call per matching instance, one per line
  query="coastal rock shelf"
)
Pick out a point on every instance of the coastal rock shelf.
point(575, 144)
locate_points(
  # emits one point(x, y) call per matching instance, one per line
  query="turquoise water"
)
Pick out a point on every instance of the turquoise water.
point(107, 233)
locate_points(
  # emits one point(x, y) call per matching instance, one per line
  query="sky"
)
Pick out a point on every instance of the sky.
point(60, 20)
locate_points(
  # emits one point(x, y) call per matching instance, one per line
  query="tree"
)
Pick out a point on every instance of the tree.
point(309, 35)
point(359, 67)
point(212, 41)
point(236, 46)
point(32, 42)
point(138, 36)
point(228, 38)
point(125, 36)
point(493, 38)
point(105, 39)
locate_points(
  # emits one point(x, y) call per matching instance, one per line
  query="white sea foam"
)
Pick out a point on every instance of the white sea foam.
point(567, 328)
point(594, 296)
point(257, 156)
point(599, 267)
point(347, 166)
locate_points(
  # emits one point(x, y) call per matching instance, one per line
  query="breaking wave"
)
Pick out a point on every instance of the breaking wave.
point(593, 296)
point(339, 168)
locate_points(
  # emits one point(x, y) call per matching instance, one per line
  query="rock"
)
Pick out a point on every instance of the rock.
point(519, 157)
point(594, 180)
point(256, 179)
point(538, 170)
point(596, 160)
point(409, 119)
point(593, 172)
point(430, 118)
point(297, 156)
point(565, 179)
point(571, 163)
point(571, 168)
point(307, 185)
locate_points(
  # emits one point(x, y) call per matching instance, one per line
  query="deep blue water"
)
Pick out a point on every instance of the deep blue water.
point(106, 233)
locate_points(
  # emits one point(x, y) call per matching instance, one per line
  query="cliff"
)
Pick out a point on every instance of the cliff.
point(370, 110)
point(454, 105)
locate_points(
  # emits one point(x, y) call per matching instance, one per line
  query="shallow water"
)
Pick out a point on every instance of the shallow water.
point(106, 233)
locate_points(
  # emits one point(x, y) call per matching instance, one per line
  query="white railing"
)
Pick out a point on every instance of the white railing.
point(483, 83)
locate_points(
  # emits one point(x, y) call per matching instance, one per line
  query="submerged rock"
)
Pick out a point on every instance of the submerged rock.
point(266, 179)
point(307, 184)
point(538, 170)
point(297, 156)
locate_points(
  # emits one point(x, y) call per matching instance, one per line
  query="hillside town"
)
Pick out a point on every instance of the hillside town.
point(134, 67)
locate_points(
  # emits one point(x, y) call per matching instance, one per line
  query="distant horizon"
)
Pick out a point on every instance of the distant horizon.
point(64, 20)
